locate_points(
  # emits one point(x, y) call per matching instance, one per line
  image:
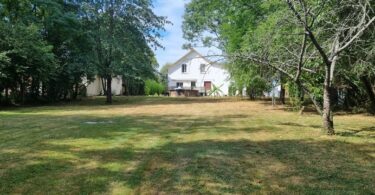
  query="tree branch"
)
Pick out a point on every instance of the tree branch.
point(356, 36)
point(253, 58)
point(309, 33)
point(301, 57)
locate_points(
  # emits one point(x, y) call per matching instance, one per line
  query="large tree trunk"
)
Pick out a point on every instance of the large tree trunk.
point(109, 90)
point(104, 86)
point(327, 107)
point(110, 57)
point(370, 92)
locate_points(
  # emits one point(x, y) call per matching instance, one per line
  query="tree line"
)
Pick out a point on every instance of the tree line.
point(50, 49)
point(323, 49)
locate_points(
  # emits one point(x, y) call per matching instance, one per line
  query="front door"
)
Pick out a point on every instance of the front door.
point(207, 85)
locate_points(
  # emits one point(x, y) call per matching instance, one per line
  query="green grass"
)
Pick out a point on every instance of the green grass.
point(150, 145)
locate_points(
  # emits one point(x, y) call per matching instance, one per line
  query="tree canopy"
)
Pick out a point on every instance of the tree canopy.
point(49, 47)
point(323, 48)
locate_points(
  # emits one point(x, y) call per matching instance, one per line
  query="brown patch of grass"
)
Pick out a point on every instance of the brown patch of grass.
point(182, 146)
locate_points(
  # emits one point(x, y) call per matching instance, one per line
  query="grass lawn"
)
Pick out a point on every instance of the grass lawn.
point(158, 145)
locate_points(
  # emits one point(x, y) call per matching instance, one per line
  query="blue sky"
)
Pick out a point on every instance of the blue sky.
point(172, 39)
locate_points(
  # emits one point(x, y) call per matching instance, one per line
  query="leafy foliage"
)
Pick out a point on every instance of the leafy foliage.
point(153, 87)
point(314, 44)
point(49, 47)
point(215, 91)
point(123, 31)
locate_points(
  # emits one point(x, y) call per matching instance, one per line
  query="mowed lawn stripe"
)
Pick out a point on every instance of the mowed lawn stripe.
point(164, 145)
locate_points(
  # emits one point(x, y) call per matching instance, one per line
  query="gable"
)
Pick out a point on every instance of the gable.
point(188, 58)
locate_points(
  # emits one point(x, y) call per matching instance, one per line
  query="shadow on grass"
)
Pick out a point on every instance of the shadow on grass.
point(365, 132)
point(308, 109)
point(174, 155)
point(98, 102)
point(292, 124)
point(245, 167)
point(204, 167)
point(23, 131)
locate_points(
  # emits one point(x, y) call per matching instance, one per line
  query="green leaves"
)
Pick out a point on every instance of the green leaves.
point(153, 87)
point(124, 32)
point(215, 91)
point(48, 46)
point(26, 51)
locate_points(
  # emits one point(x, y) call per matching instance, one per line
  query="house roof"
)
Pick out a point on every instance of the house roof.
point(192, 79)
point(192, 50)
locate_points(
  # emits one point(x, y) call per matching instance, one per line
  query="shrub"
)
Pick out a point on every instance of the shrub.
point(295, 95)
point(153, 87)
point(257, 86)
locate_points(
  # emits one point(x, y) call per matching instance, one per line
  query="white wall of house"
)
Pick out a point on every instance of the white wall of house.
point(95, 87)
point(215, 73)
point(117, 88)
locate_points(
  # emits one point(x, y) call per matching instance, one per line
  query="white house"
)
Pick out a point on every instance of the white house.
point(95, 87)
point(194, 74)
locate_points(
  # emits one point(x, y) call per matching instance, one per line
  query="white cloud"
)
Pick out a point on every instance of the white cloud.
point(173, 39)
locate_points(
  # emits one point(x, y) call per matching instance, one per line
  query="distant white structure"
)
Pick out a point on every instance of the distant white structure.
point(96, 87)
point(274, 91)
point(195, 75)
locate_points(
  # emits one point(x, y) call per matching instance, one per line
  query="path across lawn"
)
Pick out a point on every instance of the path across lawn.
point(151, 145)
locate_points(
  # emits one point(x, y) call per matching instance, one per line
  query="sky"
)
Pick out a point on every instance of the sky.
point(173, 40)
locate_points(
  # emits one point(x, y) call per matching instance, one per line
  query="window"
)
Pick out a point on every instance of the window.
point(184, 68)
point(180, 85)
point(203, 68)
point(193, 84)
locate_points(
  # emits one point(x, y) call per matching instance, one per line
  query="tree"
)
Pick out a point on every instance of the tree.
point(165, 67)
point(303, 40)
point(347, 22)
point(164, 74)
point(115, 24)
point(49, 51)
point(47, 47)
point(72, 46)
point(29, 58)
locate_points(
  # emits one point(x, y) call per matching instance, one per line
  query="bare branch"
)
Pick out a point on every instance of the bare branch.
point(356, 36)
point(309, 33)
point(290, 52)
point(301, 57)
point(253, 58)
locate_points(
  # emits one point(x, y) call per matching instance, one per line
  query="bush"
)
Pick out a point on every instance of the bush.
point(233, 89)
point(295, 95)
point(257, 87)
point(153, 87)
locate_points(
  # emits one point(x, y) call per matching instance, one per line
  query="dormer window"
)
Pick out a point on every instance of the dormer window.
point(184, 68)
point(203, 68)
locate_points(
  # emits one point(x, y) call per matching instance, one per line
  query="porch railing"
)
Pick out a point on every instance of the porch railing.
point(200, 89)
